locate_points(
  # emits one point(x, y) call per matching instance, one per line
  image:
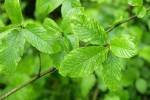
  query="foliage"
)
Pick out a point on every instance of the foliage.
point(72, 36)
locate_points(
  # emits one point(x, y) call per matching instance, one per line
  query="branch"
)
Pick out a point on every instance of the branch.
point(122, 22)
point(52, 69)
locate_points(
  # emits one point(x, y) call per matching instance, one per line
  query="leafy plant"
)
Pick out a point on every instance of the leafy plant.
point(78, 47)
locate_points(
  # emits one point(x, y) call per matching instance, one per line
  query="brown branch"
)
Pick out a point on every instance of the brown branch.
point(52, 69)
point(122, 22)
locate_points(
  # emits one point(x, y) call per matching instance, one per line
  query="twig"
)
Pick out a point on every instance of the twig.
point(122, 22)
point(40, 64)
point(52, 69)
point(95, 93)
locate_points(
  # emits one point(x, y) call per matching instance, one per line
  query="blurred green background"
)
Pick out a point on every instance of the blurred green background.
point(135, 83)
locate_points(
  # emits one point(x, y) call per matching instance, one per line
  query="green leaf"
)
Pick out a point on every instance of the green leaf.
point(74, 42)
point(70, 8)
point(51, 27)
point(85, 88)
point(112, 72)
point(88, 30)
point(68, 5)
point(135, 2)
point(5, 30)
point(14, 11)
point(59, 56)
point(37, 37)
point(83, 61)
point(123, 47)
point(47, 6)
point(11, 51)
point(66, 22)
point(75, 11)
point(141, 11)
point(141, 85)
point(66, 26)
point(145, 52)
point(68, 43)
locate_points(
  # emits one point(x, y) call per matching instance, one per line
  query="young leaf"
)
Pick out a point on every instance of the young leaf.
point(68, 5)
point(83, 61)
point(141, 12)
point(88, 30)
point(123, 47)
point(66, 26)
point(14, 11)
point(11, 51)
point(135, 2)
point(74, 11)
point(37, 37)
point(47, 6)
point(66, 23)
point(112, 72)
point(51, 27)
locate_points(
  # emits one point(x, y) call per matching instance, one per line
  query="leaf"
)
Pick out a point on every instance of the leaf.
point(112, 72)
point(74, 42)
point(85, 88)
point(135, 2)
point(141, 11)
point(141, 85)
point(37, 37)
point(68, 43)
point(83, 61)
point(70, 8)
point(14, 11)
point(59, 56)
point(68, 5)
point(47, 6)
point(66, 22)
point(52, 27)
point(123, 47)
point(11, 51)
point(5, 30)
point(75, 11)
point(88, 30)
point(145, 52)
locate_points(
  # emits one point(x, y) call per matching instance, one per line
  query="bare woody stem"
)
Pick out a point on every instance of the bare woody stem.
point(52, 69)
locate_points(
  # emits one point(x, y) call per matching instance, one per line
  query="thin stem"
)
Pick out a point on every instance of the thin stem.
point(122, 22)
point(52, 69)
point(40, 64)
point(95, 93)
